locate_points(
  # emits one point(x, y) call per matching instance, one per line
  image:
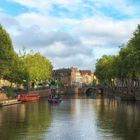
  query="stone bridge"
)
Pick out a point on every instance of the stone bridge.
point(122, 93)
point(89, 91)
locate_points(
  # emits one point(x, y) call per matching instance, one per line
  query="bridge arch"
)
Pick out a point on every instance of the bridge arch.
point(90, 91)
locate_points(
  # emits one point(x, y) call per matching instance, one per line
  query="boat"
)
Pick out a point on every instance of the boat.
point(28, 97)
point(9, 102)
point(54, 98)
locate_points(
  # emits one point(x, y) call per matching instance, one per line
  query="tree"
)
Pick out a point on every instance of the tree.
point(18, 73)
point(38, 67)
point(106, 69)
point(125, 66)
point(134, 47)
point(7, 53)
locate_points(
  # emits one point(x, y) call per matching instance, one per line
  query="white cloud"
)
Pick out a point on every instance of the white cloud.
point(81, 61)
point(43, 6)
point(46, 23)
point(106, 31)
point(123, 6)
point(42, 3)
point(67, 41)
point(95, 6)
point(87, 41)
point(59, 49)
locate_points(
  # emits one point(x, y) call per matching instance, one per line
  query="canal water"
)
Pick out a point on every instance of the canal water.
point(73, 119)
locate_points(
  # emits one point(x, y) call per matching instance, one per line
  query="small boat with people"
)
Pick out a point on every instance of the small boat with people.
point(28, 97)
point(54, 98)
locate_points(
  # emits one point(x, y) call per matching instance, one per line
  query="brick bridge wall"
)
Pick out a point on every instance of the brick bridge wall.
point(68, 90)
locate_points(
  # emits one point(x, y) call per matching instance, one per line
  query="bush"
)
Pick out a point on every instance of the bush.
point(10, 93)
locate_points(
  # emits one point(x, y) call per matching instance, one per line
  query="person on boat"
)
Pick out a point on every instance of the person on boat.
point(53, 94)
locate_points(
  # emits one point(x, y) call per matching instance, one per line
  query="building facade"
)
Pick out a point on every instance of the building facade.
point(87, 77)
point(73, 77)
point(63, 76)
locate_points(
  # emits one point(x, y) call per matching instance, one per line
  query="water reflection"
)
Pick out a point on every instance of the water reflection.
point(119, 118)
point(25, 121)
point(73, 119)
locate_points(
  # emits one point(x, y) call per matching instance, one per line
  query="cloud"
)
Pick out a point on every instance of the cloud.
point(46, 23)
point(81, 8)
point(72, 33)
point(33, 37)
point(122, 6)
point(44, 6)
point(86, 41)
point(41, 3)
point(106, 31)
point(7, 20)
point(81, 61)
point(59, 49)
point(58, 46)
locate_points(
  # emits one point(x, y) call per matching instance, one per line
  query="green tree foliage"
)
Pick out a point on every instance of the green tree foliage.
point(38, 67)
point(134, 51)
point(18, 73)
point(126, 65)
point(18, 69)
point(11, 66)
point(106, 69)
point(7, 53)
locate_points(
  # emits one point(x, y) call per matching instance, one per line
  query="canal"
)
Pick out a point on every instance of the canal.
point(74, 119)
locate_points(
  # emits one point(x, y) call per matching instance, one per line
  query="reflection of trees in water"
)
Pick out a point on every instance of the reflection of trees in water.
point(119, 118)
point(26, 121)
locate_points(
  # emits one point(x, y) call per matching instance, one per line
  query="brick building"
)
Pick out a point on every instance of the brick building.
point(74, 77)
point(63, 75)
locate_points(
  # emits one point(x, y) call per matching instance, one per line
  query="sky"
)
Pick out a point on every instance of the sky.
point(70, 32)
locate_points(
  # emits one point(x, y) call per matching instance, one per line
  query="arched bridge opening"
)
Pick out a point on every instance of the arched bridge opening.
point(92, 91)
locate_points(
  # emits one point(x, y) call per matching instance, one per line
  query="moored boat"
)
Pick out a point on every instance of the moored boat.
point(9, 102)
point(28, 97)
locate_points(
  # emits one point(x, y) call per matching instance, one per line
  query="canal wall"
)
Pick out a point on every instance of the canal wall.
point(42, 93)
point(123, 93)
point(61, 91)
point(70, 90)
point(112, 92)
point(47, 92)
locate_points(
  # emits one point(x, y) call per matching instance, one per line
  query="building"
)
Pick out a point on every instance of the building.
point(87, 77)
point(76, 78)
point(63, 75)
point(73, 77)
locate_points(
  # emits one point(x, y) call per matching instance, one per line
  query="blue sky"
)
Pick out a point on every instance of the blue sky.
point(12, 8)
point(70, 33)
